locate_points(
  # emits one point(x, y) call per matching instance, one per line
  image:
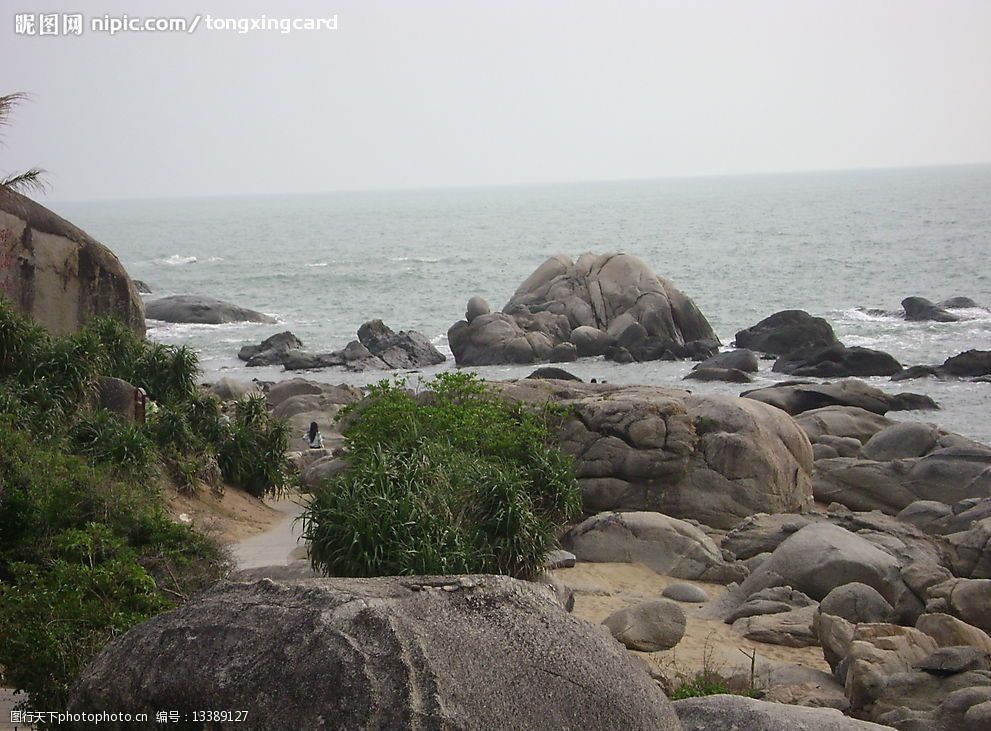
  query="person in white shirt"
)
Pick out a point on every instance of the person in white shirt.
point(313, 437)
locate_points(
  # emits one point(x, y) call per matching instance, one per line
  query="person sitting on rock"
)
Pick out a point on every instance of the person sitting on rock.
point(313, 437)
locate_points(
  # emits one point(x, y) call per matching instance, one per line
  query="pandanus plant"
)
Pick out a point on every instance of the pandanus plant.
point(31, 180)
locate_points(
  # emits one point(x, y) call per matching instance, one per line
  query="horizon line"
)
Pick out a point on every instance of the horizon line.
point(543, 183)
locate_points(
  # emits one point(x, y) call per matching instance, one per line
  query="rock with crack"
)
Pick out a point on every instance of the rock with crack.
point(393, 652)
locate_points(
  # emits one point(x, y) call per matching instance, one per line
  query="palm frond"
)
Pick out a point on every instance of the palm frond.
point(7, 104)
point(28, 181)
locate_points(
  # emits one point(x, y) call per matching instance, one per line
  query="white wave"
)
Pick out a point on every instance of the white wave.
point(320, 264)
point(415, 259)
point(213, 259)
point(863, 315)
point(177, 260)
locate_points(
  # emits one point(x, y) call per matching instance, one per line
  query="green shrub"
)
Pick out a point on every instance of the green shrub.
point(107, 439)
point(701, 685)
point(451, 481)
point(253, 447)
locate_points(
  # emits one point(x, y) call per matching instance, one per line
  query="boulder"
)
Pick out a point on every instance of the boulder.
point(716, 459)
point(57, 274)
point(321, 470)
point(563, 353)
point(857, 603)
point(841, 557)
point(791, 628)
point(343, 394)
point(467, 652)
point(948, 475)
point(730, 375)
point(270, 351)
point(841, 421)
point(405, 349)
point(141, 286)
point(972, 557)
point(686, 593)
point(965, 599)
point(298, 360)
point(878, 651)
point(968, 364)
point(920, 309)
point(741, 359)
point(773, 600)
point(561, 559)
point(557, 374)
point(590, 341)
point(616, 294)
point(902, 440)
point(739, 713)
point(116, 396)
point(796, 397)
point(232, 389)
point(669, 546)
point(786, 331)
point(949, 631)
point(763, 532)
point(836, 361)
point(476, 308)
point(201, 310)
point(923, 514)
point(959, 303)
point(650, 626)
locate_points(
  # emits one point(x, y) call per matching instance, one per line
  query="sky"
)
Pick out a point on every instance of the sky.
point(447, 93)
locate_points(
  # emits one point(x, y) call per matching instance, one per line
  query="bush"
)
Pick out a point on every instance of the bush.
point(85, 556)
point(253, 448)
point(450, 481)
point(106, 439)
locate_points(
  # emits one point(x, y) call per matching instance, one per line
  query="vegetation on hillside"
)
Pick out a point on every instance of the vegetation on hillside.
point(87, 549)
point(452, 480)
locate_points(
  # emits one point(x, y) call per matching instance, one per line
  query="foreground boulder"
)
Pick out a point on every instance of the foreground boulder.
point(651, 626)
point(798, 397)
point(716, 459)
point(786, 331)
point(739, 713)
point(200, 310)
point(57, 274)
point(615, 295)
point(475, 652)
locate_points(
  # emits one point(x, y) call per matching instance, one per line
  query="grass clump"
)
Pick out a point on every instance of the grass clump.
point(452, 480)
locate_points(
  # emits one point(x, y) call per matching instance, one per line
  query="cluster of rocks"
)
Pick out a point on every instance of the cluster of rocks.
point(972, 364)
point(919, 309)
point(610, 304)
point(378, 347)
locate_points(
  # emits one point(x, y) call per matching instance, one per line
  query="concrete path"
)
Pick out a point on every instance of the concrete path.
point(279, 546)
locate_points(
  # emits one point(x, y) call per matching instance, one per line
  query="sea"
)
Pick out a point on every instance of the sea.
point(837, 244)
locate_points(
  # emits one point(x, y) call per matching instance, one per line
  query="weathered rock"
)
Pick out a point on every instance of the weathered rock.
point(949, 631)
point(842, 446)
point(959, 303)
point(739, 713)
point(141, 286)
point(561, 559)
point(231, 389)
point(954, 659)
point(616, 294)
point(270, 351)
point(773, 600)
point(405, 349)
point(786, 331)
point(947, 475)
point(764, 532)
point(878, 651)
point(476, 308)
point(741, 359)
point(857, 603)
point(836, 361)
point(298, 360)
point(965, 599)
point(669, 546)
point(792, 628)
point(391, 652)
point(590, 341)
point(973, 551)
point(796, 398)
point(686, 593)
point(563, 353)
point(924, 513)
point(917, 371)
point(716, 459)
point(730, 375)
point(283, 390)
point(556, 374)
point(201, 310)
point(841, 557)
point(970, 363)
point(57, 274)
point(921, 309)
point(321, 470)
point(898, 441)
point(650, 626)
point(841, 421)
point(116, 396)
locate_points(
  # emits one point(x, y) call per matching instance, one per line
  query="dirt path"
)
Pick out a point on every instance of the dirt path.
point(279, 545)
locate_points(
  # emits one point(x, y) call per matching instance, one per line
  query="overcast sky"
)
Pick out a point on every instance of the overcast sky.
point(428, 93)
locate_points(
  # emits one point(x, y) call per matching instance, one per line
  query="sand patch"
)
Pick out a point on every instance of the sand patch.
point(230, 518)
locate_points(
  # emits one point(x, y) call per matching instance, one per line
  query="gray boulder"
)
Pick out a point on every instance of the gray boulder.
point(716, 459)
point(791, 628)
point(270, 351)
point(142, 287)
point(741, 359)
point(968, 364)
point(786, 331)
point(739, 713)
point(298, 360)
point(972, 558)
point(841, 421)
point(921, 309)
point(469, 652)
point(590, 341)
point(966, 599)
point(836, 361)
point(405, 349)
point(959, 303)
point(617, 294)
point(555, 374)
point(563, 353)
point(650, 626)
point(898, 441)
point(764, 532)
point(730, 375)
point(201, 310)
point(57, 274)
point(232, 389)
point(116, 396)
point(476, 308)
point(669, 546)
point(686, 593)
point(856, 603)
point(796, 398)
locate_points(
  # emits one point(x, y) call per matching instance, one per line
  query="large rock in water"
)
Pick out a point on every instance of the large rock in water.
point(57, 274)
point(475, 652)
point(201, 310)
point(786, 331)
point(837, 361)
point(616, 294)
point(921, 309)
point(797, 397)
point(405, 349)
point(716, 459)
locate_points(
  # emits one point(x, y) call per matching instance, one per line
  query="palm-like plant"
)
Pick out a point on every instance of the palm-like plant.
point(28, 180)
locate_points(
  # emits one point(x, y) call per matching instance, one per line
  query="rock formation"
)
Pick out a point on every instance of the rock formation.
point(57, 274)
point(190, 308)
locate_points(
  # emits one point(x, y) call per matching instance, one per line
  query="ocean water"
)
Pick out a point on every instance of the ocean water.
point(742, 247)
